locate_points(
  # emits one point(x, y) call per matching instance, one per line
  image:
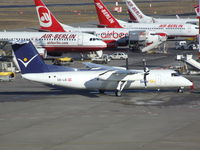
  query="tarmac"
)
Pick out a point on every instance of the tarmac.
point(35, 116)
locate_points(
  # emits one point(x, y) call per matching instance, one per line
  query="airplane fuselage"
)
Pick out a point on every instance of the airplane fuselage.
point(114, 37)
point(58, 41)
point(170, 29)
point(137, 15)
point(93, 80)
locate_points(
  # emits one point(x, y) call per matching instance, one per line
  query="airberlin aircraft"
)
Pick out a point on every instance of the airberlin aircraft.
point(112, 36)
point(169, 29)
point(137, 15)
point(55, 43)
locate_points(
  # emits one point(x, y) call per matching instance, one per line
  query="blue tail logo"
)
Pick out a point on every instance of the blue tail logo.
point(28, 58)
point(25, 61)
point(30, 61)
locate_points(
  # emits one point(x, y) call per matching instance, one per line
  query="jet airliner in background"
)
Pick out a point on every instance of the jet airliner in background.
point(98, 77)
point(56, 43)
point(170, 30)
point(114, 37)
point(136, 15)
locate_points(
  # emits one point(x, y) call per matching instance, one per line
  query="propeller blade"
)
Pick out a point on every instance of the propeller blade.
point(144, 64)
point(146, 72)
point(145, 80)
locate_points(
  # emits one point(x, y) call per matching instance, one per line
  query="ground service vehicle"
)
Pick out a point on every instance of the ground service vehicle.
point(119, 55)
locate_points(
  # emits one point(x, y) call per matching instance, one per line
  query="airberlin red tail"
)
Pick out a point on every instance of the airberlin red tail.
point(46, 19)
point(104, 15)
point(196, 8)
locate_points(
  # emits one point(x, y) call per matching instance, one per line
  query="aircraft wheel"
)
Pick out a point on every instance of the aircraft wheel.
point(118, 93)
point(180, 90)
point(190, 48)
point(102, 91)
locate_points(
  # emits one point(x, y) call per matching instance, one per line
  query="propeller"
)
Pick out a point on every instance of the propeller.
point(146, 72)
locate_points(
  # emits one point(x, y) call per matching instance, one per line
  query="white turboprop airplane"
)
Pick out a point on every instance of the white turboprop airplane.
point(170, 30)
point(112, 36)
point(136, 15)
point(55, 43)
point(99, 77)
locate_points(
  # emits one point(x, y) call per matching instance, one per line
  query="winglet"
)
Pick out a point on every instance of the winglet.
point(46, 19)
point(104, 15)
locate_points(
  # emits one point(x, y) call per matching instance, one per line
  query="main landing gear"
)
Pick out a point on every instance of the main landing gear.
point(101, 91)
point(118, 93)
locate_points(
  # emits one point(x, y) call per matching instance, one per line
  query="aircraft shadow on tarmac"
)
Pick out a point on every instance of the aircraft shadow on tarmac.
point(18, 96)
point(11, 96)
point(129, 97)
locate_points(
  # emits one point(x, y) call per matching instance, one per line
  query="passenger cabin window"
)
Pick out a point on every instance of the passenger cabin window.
point(95, 39)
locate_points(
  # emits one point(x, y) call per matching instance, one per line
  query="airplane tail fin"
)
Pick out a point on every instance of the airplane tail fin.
point(196, 8)
point(46, 19)
point(104, 15)
point(28, 58)
point(30, 61)
point(136, 14)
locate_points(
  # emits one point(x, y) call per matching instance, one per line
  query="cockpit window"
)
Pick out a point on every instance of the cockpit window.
point(95, 39)
point(196, 27)
point(175, 74)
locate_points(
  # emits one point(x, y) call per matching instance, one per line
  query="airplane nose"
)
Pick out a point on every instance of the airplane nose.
point(193, 86)
point(103, 44)
point(188, 83)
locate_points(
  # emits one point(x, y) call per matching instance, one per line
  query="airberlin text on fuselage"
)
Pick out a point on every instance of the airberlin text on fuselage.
point(59, 36)
point(113, 35)
point(171, 26)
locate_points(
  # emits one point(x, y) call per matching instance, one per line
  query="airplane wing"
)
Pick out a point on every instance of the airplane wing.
point(97, 66)
point(112, 70)
point(117, 74)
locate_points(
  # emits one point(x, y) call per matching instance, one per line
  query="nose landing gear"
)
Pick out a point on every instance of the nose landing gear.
point(180, 90)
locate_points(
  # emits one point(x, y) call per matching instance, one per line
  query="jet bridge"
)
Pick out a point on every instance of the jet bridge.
point(188, 60)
